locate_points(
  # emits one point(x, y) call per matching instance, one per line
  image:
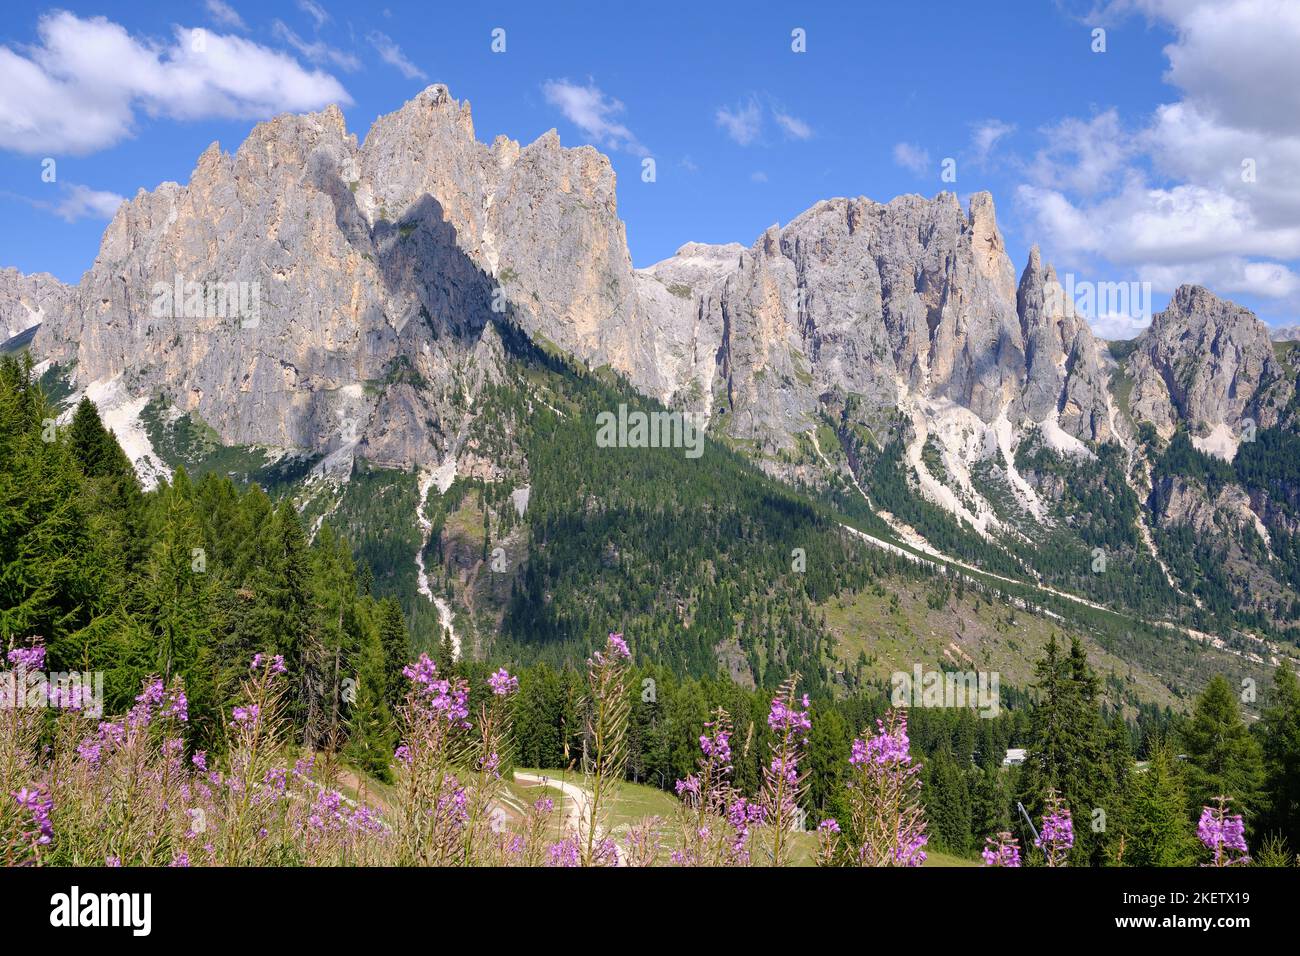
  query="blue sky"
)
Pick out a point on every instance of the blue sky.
point(1124, 164)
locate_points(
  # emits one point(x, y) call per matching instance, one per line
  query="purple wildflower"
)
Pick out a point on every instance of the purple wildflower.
point(1002, 850)
point(1224, 833)
point(502, 683)
point(27, 658)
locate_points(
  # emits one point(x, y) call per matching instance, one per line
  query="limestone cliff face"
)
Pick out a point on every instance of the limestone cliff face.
point(911, 299)
point(28, 300)
point(325, 308)
point(1208, 363)
point(541, 220)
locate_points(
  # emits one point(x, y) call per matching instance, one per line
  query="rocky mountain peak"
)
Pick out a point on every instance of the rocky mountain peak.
point(1209, 363)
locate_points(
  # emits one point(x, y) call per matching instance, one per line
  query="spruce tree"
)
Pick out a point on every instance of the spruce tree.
point(1154, 829)
point(1222, 757)
point(1280, 735)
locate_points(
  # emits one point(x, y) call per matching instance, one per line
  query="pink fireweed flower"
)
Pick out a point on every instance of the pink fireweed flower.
point(247, 714)
point(152, 693)
point(618, 647)
point(502, 683)
point(909, 850)
point(885, 793)
point(27, 658)
point(112, 734)
point(887, 746)
point(200, 759)
point(1002, 850)
point(1056, 837)
point(423, 672)
point(566, 853)
point(789, 719)
point(1223, 833)
point(718, 747)
point(275, 666)
point(35, 802)
point(90, 751)
point(179, 707)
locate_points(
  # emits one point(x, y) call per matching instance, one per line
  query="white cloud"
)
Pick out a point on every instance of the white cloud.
point(742, 124)
point(985, 135)
point(758, 176)
point(80, 88)
point(1118, 327)
point(392, 54)
point(1237, 59)
point(1203, 190)
point(1083, 156)
point(317, 12)
point(317, 51)
point(913, 157)
point(589, 109)
point(1145, 225)
point(82, 202)
point(794, 127)
point(225, 15)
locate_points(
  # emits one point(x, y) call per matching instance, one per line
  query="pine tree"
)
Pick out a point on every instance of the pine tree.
point(1067, 751)
point(1280, 734)
point(371, 729)
point(1222, 757)
point(396, 644)
point(177, 610)
point(1154, 829)
point(948, 802)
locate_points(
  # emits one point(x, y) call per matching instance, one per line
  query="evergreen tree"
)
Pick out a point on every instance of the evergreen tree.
point(947, 799)
point(396, 644)
point(1068, 746)
point(1154, 829)
point(1222, 757)
point(1280, 734)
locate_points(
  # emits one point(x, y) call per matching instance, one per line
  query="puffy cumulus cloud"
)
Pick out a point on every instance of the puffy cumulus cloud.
point(1145, 225)
point(82, 202)
point(1084, 156)
point(589, 109)
point(1237, 59)
point(80, 88)
point(1228, 276)
point(1202, 190)
point(1118, 327)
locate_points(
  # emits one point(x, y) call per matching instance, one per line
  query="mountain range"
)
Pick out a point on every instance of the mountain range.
point(417, 298)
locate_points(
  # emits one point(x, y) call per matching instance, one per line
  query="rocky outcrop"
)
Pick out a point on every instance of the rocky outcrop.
point(28, 300)
point(1209, 364)
point(1066, 374)
point(914, 300)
